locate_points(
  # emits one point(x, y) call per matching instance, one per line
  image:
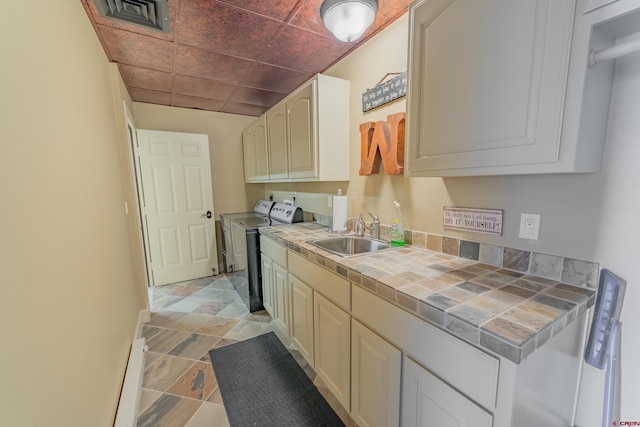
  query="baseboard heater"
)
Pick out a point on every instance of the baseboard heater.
point(127, 413)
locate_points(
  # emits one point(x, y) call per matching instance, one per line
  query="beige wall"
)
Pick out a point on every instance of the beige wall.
point(125, 124)
point(584, 216)
point(557, 197)
point(69, 301)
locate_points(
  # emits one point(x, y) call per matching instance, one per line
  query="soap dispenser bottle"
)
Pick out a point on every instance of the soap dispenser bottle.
point(397, 227)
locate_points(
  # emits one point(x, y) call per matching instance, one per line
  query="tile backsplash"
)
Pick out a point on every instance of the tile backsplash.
point(553, 267)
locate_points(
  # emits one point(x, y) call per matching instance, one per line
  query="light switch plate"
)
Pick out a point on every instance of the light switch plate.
point(529, 226)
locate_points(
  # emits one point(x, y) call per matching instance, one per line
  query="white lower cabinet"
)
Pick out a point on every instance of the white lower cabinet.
point(332, 342)
point(389, 368)
point(375, 379)
point(267, 287)
point(280, 286)
point(275, 283)
point(275, 292)
point(301, 325)
point(429, 402)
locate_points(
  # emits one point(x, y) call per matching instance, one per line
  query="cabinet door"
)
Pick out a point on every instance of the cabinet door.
point(239, 245)
point(429, 402)
point(301, 325)
point(267, 286)
point(487, 85)
point(375, 379)
point(249, 153)
point(302, 126)
point(332, 340)
point(277, 139)
point(281, 294)
point(262, 156)
point(228, 247)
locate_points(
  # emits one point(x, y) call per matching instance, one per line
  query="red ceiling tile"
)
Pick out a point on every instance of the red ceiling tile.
point(276, 79)
point(303, 50)
point(196, 102)
point(274, 9)
point(244, 109)
point(218, 27)
point(191, 61)
point(144, 78)
point(256, 96)
point(149, 96)
point(236, 56)
point(139, 50)
point(193, 86)
point(308, 18)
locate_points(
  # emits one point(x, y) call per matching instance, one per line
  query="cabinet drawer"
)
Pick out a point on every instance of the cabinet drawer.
point(469, 370)
point(276, 252)
point(332, 286)
point(427, 401)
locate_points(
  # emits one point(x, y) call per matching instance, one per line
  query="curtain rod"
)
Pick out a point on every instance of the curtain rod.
point(613, 52)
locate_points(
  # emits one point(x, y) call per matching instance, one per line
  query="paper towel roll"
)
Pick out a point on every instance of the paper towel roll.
point(339, 213)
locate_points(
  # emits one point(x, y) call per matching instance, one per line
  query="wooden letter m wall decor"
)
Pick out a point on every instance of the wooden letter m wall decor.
point(382, 142)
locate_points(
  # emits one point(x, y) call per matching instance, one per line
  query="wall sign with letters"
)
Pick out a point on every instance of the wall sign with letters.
point(487, 221)
point(386, 92)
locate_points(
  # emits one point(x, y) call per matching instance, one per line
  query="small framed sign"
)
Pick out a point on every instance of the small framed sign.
point(386, 92)
point(488, 221)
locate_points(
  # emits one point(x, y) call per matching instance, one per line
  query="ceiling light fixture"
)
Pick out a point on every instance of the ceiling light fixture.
point(348, 19)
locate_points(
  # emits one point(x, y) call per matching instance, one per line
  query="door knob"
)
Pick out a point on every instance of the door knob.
point(208, 215)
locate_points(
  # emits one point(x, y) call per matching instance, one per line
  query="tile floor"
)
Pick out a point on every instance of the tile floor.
point(187, 320)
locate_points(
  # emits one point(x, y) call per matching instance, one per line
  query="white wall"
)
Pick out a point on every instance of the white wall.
point(618, 238)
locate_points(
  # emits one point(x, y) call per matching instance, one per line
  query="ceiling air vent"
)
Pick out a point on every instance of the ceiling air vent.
point(150, 13)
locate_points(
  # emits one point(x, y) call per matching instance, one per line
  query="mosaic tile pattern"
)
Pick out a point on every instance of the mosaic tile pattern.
point(483, 294)
point(188, 319)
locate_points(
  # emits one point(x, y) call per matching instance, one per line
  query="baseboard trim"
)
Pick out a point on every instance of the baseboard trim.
point(127, 413)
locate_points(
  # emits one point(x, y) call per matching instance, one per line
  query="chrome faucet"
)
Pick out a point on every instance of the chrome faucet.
point(375, 225)
point(360, 225)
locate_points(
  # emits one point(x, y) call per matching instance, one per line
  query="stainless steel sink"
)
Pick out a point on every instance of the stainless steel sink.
point(348, 246)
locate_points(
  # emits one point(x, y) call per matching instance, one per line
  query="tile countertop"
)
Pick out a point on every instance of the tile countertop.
point(503, 311)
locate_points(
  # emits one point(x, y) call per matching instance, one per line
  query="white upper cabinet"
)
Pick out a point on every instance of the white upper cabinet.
point(303, 141)
point(249, 153)
point(306, 136)
point(254, 148)
point(277, 142)
point(318, 124)
point(488, 89)
point(262, 156)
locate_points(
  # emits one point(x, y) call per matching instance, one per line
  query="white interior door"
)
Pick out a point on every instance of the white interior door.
point(178, 205)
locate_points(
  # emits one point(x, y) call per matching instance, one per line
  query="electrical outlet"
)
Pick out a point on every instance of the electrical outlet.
point(529, 226)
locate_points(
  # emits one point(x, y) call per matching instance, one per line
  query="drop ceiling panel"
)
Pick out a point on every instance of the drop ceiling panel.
point(303, 50)
point(221, 28)
point(276, 79)
point(232, 56)
point(144, 78)
point(195, 62)
point(136, 49)
point(205, 88)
